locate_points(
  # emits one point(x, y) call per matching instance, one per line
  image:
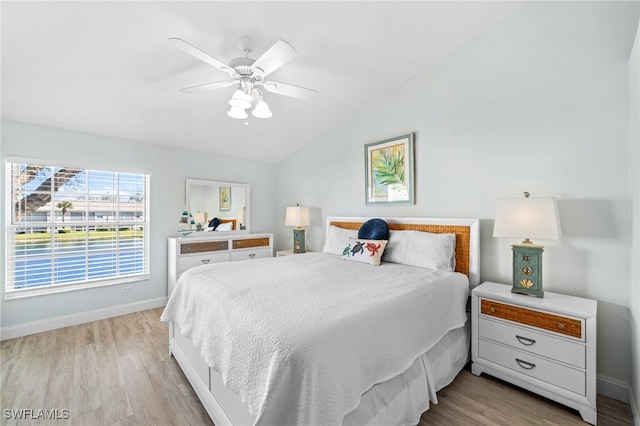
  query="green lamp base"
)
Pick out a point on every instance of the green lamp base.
point(298, 241)
point(527, 269)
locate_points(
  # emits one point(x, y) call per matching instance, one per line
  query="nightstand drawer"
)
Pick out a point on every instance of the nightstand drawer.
point(533, 366)
point(186, 262)
point(528, 340)
point(250, 254)
point(558, 324)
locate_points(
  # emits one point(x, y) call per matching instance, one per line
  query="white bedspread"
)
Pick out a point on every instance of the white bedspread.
point(300, 338)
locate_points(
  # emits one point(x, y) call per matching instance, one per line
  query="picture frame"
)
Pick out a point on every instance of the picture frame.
point(389, 171)
point(225, 198)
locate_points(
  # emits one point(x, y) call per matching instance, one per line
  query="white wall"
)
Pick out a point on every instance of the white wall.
point(634, 177)
point(169, 167)
point(538, 104)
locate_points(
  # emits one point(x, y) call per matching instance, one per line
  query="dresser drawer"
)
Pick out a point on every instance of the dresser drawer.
point(250, 243)
point(556, 323)
point(537, 343)
point(204, 246)
point(249, 254)
point(186, 262)
point(533, 366)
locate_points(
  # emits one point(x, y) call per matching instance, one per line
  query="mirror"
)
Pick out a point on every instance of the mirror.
point(227, 201)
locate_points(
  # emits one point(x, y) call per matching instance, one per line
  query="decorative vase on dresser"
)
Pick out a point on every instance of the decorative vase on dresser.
point(545, 345)
point(213, 247)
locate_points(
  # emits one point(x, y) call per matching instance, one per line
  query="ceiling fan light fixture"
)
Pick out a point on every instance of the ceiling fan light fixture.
point(246, 73)
point(237, 113)
point(261, 110)
point(240, 100)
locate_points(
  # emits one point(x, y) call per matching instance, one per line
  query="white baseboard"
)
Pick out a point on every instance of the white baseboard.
point(26, 329)
point(633, 408)
point(613, 388)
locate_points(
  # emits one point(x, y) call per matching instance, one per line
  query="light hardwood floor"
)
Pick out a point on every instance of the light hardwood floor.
point(118, 372)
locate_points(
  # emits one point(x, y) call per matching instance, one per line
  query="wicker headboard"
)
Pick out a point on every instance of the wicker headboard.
point(466, 230)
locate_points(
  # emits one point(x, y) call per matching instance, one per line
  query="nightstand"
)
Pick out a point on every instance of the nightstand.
point(545, 345)
point(288, 253)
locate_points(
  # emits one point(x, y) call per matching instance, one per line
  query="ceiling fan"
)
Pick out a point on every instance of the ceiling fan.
point(249, 76)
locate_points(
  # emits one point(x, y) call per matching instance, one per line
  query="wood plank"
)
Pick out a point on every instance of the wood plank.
point(485, 400)
point(124, 366)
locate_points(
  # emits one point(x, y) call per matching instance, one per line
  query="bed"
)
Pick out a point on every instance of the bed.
point(314, 339)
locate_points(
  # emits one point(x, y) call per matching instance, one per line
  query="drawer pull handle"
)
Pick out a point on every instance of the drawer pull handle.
point(205, 261)
point(525, 340)
point(524, 364)
point(493, 309)
point(561, 326)
point(252, 255)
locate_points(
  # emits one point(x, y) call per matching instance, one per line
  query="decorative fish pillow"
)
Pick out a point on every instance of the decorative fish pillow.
point(364, 251)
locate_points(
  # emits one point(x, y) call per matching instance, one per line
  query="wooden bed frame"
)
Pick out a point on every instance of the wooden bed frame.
point(222, 405)
point(466, 230)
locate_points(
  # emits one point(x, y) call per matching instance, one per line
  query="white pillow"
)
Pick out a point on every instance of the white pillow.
point(364, 251)
point(338, 239)
point(395, 247)
point(226, 226)
point(422, 249)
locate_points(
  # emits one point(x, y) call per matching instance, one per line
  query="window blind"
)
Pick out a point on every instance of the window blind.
point(72, 227)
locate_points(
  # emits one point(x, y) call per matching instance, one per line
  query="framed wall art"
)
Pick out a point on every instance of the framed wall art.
point(225, 198)
point(389, 171)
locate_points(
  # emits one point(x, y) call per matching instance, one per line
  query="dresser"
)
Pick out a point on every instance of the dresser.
point(212, 247)
point(545, 345)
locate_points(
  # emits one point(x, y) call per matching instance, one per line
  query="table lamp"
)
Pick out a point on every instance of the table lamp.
point(298, 217)
point(240, 218)
point(527, 218)
point(200, 218)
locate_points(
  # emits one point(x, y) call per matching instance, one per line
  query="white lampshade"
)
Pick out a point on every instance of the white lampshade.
point(237, 113)
point(527, 218)
point(200, 217)
point(240, 100)
point(262, 110)
point(240, 217)
point(297, 216)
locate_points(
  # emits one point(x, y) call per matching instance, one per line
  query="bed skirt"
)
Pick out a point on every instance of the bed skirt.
point(398, 401)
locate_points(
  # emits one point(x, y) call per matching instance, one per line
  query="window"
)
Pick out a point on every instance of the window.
point(70, 227)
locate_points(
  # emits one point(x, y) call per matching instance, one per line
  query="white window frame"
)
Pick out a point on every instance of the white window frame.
point(53, 287)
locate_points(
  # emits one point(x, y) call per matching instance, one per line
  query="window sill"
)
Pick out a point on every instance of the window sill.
point(22, 294)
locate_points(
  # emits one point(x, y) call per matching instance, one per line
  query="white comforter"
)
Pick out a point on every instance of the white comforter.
point(300, 338)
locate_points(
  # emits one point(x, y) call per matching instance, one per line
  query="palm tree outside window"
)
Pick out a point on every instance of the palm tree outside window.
point(65, 205)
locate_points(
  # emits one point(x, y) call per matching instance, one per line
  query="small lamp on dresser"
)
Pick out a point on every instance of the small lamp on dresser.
point(298, 217)
point(200, 218)
point(240, 218)
point(527, 218)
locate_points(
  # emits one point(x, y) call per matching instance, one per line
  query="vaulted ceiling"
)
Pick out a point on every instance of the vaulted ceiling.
point(107, 68)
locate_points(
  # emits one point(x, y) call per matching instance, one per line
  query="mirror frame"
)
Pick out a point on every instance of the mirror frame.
point(212, 183)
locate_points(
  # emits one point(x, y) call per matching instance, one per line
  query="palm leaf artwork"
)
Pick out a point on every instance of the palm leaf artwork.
point(225, 198)
point(388, 168)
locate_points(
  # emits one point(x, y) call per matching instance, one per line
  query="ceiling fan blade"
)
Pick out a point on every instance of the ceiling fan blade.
point(277, 55)
point(199, 54)
point(290, 90)
point(206, 87)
